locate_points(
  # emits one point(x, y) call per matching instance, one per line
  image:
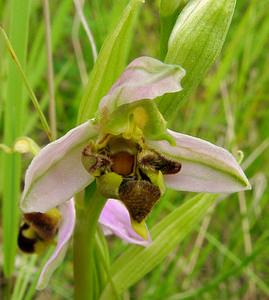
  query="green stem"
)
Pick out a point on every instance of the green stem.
point(7, 288)
point(88, 210)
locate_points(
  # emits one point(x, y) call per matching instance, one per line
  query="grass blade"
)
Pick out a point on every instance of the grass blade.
point(27, 84)
point(19, 22)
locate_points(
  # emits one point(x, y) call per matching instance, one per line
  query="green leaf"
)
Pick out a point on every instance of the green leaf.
point(166, 25)
point(169, 10)
point(136, 262)
point(168, 7)
point(110, 62)
point(14, 109)
point(27, 84)
point(195, 42)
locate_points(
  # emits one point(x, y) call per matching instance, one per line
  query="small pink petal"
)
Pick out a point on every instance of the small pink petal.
point(57, 173)
point(65, 232)
point(205, 167)
point(144, 78)
point(115, 219)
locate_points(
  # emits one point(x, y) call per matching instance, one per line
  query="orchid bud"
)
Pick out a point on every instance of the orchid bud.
point(195, 42)
point(26, 145)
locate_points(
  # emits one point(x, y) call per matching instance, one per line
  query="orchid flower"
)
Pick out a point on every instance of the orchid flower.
point(133, 157)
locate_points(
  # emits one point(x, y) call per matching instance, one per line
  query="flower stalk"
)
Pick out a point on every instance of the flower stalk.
point(88, 209)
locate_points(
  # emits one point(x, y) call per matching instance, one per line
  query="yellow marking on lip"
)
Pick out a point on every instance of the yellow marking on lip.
point(29, 233)
point(41, 246)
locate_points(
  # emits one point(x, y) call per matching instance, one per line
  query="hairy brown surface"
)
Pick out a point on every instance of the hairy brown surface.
point(44, 225)
point(158, 162)
point(139, 196)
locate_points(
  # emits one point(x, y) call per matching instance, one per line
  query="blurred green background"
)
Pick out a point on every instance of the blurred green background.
point(227, 256)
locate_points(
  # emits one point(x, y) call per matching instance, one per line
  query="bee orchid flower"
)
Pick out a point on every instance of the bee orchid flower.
point(133, 157)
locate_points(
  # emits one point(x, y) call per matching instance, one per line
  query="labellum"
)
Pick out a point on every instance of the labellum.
point(139, 196)
point(38, 230)
point(126, 170)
